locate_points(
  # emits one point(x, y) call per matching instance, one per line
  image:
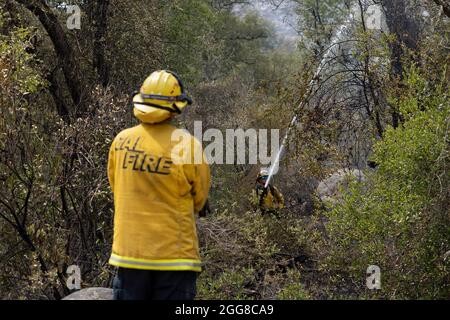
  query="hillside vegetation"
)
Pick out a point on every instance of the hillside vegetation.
point(380, 105)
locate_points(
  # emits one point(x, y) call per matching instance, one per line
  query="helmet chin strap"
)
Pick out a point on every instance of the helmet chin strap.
point(182, 98)
point(173, 109)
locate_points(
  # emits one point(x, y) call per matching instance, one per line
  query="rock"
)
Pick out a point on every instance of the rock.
point(91, 294)
point(328, 189)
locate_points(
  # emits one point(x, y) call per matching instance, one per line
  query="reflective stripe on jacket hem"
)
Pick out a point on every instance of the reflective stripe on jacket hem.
point(165, 265)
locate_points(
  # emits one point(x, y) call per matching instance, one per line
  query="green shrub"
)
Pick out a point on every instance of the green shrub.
point(294, 289)
point(230, 284)
point(398, 218)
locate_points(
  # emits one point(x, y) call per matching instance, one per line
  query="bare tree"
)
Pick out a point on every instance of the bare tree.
point(63, 49)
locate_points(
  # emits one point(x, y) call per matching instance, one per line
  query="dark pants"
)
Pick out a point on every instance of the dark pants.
point(131, 284)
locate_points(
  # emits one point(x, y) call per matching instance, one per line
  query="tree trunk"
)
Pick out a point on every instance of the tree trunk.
point(55, 91)
point(63, 50)
point(406, 31)
point(404, 28)
point(101, 26)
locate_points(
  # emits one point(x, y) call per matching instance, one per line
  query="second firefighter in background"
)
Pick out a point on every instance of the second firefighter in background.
point(268, 200)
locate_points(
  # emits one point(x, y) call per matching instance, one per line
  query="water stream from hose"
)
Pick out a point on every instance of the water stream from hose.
point(325, 58)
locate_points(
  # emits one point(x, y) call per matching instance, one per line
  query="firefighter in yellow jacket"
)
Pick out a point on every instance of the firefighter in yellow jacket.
point(156, 197)
point(268, 200)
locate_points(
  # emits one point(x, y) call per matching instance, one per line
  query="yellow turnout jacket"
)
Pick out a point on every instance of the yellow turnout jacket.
point(269, 199)
point(155, 199)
